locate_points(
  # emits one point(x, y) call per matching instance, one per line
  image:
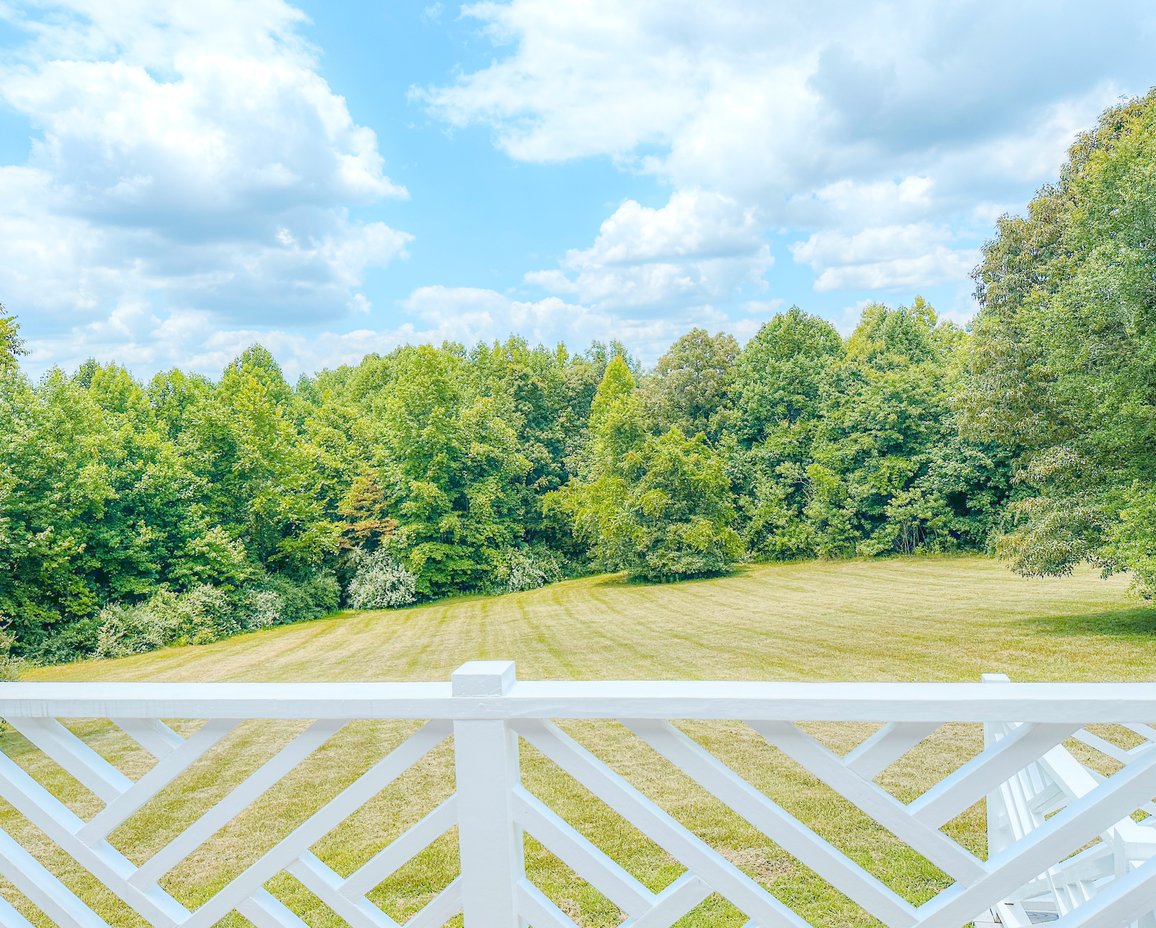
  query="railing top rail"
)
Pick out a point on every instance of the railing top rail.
point(880, 702)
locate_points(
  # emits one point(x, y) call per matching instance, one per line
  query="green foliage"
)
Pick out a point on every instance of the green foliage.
point(690, 387)
point(11, 344)
point(135, 517)
point(783, 373)
point(1063, 363)
point(657, 506)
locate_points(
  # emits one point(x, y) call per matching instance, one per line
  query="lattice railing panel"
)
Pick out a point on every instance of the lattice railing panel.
point(88, 844)
point(1065, 774)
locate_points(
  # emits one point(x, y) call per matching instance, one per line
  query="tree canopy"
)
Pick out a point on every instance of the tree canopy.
point(134, 515)
point(1062, 365)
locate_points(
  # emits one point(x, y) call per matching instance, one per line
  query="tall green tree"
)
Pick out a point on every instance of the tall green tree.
point(691, 385)
point(1063, 362)
point(456, 467)
point(657, 506)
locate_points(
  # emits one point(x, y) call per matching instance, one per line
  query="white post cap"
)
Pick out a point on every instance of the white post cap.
point(483, 678)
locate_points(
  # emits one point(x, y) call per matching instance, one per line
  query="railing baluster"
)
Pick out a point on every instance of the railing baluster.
point(486, 771)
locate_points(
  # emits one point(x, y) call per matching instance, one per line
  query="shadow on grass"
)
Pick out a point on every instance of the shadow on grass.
point(1137, 624)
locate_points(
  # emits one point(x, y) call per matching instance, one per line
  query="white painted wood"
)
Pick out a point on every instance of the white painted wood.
point(74, 756)
point(440, 909)
point(963, 788)
point(132, 799)
point(236, 802)
point(1120, 903)
point(536, 908)
point(1103, 746)
point(1118, 703)
point(580, 855)
point(1043, 805)
point(103, 861)
point(886, 746)
point(402, 849)
point(483, 678)
point(10, 916)
point(326, 885)
point(1144, 731)
point(772, 820)
point(1059, 836)
point(42, 889)
point(320, 823)
point(485, 772)
point(871, 799)
point(266, 911)
point(682, 896)
point(656, 824)
point(151, 734)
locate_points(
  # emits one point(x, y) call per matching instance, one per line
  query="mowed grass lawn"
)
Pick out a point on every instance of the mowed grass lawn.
point(902, 619)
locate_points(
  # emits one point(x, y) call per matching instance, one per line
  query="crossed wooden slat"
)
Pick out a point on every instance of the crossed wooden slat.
point(87, 842)
point(1026, 759)
point(979, 885)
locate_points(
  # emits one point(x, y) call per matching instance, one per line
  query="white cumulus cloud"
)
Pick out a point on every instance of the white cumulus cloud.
point(698, 247)
point(885, 257)
point(189, 159)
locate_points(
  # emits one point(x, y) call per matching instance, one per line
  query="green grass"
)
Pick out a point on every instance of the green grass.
point(904, 619)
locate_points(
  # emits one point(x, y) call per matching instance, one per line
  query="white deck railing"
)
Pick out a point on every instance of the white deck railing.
point(1062, 838)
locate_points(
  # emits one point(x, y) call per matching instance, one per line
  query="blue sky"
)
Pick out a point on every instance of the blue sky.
point(180, 180)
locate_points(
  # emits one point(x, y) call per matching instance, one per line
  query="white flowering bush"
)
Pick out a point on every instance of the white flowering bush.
point(197, 616)
point(267, 609)
point(522, 569)
point(380, 582)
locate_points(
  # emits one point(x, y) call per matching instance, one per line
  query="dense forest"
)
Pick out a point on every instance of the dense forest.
point(136, 515)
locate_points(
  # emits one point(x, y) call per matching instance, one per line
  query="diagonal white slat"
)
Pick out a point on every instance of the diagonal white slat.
point(440, 909)
point(326, 886)
point(96, 773)
point(1058, 836)
point(10, 916)
point(679, 898)
point(1119, 903)
point(262, 779)
point(886, 746)
point(871, 799)
point(320, 823)
point(151, 734)
point(265, 910)
point(537, 908)
point(772, 820)
point(43, 889)
point(657, 825)
point(1104, 746)
point(979, 776)
point(165, 771)
point(1144, 731)
point(580, 855)
point(103, 861)
point(403, 848)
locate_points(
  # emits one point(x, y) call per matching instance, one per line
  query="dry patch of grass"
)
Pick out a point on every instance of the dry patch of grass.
point(909, 619)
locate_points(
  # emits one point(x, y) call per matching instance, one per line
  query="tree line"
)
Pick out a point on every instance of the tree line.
point(135, 515)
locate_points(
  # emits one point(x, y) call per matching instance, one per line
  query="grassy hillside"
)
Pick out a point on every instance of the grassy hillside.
point(920, 619)
point(901, 619)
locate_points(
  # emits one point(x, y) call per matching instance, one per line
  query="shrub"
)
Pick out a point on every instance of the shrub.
point(305, 600)
point(523, 569)
point(380, 582)
point(201, 615)
point(266, 608)
point(10, 667)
